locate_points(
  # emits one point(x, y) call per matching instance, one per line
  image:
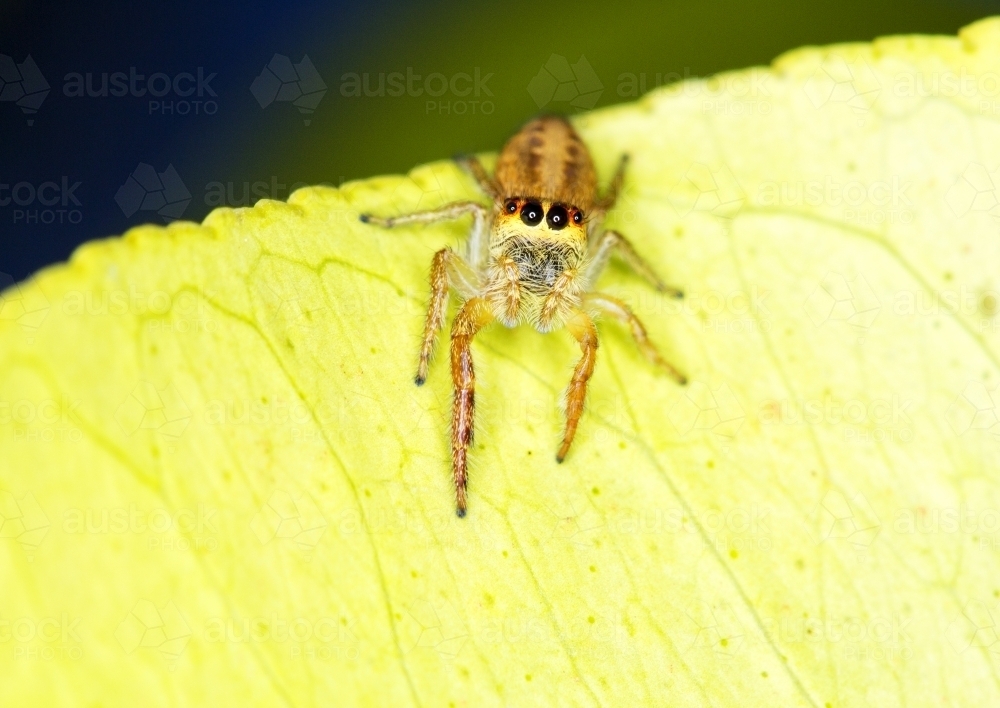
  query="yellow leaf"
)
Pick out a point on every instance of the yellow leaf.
point(219, 486)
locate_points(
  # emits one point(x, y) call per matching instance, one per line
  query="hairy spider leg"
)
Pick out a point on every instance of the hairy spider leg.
point(474, 315)
point(581, 326)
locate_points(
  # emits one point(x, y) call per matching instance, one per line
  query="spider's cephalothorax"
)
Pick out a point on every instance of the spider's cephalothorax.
point(534, 258)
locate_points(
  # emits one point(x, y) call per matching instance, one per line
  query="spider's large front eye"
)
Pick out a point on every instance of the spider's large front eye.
point(511, 206)
point(531, 213)
point(557, 217)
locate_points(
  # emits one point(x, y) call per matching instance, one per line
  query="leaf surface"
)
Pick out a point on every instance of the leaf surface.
point(219, 486)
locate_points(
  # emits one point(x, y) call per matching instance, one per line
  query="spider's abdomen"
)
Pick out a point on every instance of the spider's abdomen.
point(548, 160)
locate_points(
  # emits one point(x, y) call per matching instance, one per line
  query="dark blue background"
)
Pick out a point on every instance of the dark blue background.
point(98, 142)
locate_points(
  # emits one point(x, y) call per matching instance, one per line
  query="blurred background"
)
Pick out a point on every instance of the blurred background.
point(148, 112)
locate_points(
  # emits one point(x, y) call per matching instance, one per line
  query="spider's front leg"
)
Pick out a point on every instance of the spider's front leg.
point(430, 216)
point(448, 269)
point(581, 326)
point(474, 315)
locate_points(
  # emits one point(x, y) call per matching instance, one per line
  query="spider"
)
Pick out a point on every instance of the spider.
point(533, 258)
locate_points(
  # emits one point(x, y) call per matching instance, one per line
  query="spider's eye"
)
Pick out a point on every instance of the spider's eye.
point(578, 217)
point(531, 213)
point(557, 217)
point(511, 206)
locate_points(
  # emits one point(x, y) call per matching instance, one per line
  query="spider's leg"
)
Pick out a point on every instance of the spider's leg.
point(448, 269)
point(582, 328)
point(595, 226)
point(613, 241)
point(614, 189)
point(475, 168)
point(448, 211)
point(474, 315)
point(621, 312)
point(478, 246)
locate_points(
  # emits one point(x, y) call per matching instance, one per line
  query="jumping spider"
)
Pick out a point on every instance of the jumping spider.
point(532, 259)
